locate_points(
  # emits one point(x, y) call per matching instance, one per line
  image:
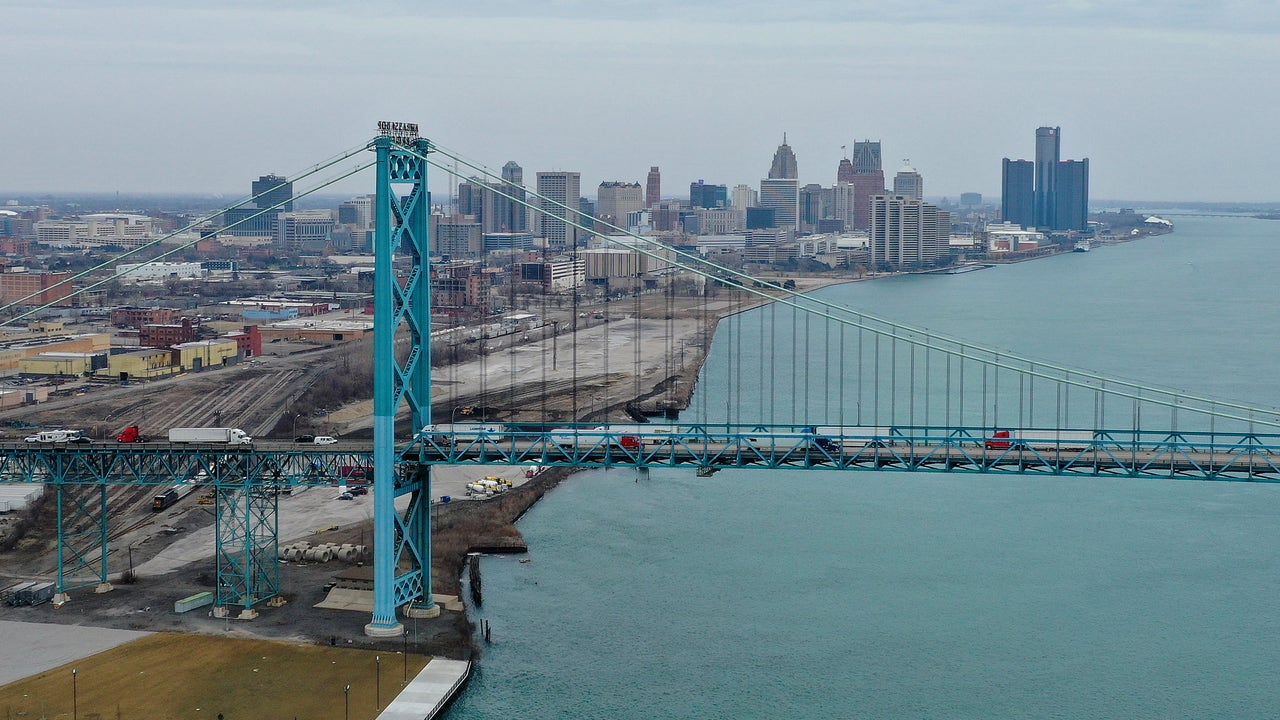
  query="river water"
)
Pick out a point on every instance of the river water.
point(810, 594)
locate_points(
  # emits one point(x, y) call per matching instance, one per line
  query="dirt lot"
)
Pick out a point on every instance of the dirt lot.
point(175, 675)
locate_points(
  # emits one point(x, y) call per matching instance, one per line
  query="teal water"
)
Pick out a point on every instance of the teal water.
point(835, 595)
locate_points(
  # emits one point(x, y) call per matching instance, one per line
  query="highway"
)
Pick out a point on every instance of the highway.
point(277, 462)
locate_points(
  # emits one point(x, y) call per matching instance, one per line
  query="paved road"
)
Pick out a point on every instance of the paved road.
point(43, 647)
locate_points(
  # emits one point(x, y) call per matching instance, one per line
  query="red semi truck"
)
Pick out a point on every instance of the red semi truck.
point(131, 434)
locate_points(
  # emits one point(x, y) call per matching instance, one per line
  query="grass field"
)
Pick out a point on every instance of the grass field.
point(172, 676)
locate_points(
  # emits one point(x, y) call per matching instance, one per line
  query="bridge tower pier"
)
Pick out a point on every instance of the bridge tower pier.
point(246, 525)
point(401, 545)
point(82, 515)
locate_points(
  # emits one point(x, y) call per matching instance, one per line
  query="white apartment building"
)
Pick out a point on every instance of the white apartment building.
point(97, 229)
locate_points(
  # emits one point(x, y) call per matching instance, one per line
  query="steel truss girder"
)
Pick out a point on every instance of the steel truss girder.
point(1202, 456)
point(164, 465)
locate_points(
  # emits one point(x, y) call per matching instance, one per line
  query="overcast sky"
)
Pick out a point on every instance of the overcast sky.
point(1168, 100)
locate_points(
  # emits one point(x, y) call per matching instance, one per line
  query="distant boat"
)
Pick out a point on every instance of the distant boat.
point(1082, 246)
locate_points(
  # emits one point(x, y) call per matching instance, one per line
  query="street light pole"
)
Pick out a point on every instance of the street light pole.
point(346, 702)
point(555, 333)
point(75, 697)
point(377, 682)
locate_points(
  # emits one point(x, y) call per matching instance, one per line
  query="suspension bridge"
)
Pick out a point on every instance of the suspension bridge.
point(802, 384)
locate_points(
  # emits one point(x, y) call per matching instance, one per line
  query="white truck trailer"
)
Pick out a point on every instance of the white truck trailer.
point(210, 436)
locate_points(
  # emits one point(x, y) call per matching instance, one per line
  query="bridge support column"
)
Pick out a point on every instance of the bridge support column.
point(82, 516)
point(248, 547)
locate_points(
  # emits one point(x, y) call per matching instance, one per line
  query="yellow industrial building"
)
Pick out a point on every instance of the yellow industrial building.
point(145, 363)
point(203, 354)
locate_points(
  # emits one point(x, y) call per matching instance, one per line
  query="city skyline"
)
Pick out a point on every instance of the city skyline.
point(197, 118)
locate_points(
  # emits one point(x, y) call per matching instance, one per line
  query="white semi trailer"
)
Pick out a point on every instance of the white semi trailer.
point(213, 436)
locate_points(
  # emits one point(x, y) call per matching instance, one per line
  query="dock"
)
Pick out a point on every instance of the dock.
point(429, 691)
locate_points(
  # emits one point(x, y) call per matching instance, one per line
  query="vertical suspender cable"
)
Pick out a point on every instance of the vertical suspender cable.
point(893, 378)
point(807, 361)
point(984, 396)
point(843, 370)
point(861, 370)
point(772, 378)
point(928, 378)
point(995, 405)
point(946, 415)
point(795, 341)
point(875, 383)
point(826, 370)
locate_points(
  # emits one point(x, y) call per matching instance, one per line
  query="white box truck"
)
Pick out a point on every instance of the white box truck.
point(211, 436)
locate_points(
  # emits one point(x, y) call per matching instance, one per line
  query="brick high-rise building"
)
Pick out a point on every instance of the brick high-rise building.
point(653, 187)
point(865, 187)
point(844, 173)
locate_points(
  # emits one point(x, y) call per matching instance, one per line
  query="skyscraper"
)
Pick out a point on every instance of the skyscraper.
point(614, 200)
point(560, 189)
point(513, 173)
point(908, 183)
point(1017, 193)
point(745, 196)
point(1071, 200)
point(866, 157)
point(492, 204)
point(844, 173)
point(1059, 199)
point(273, 190)
point(908, 233)
point(864, 188)
point(782, 195)
point(814, 202)
point(514, 215)
point(784, 162)
point(1048, 151)
point(653, 187)
point(702, 195)
point(843, 197)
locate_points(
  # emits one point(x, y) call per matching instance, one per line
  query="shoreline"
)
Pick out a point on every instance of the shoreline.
point(487, 526)
point(686, 382)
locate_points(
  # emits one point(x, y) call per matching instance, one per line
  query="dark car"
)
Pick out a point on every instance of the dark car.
point(81, 440)
point(305, 439)
point(358, 490)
